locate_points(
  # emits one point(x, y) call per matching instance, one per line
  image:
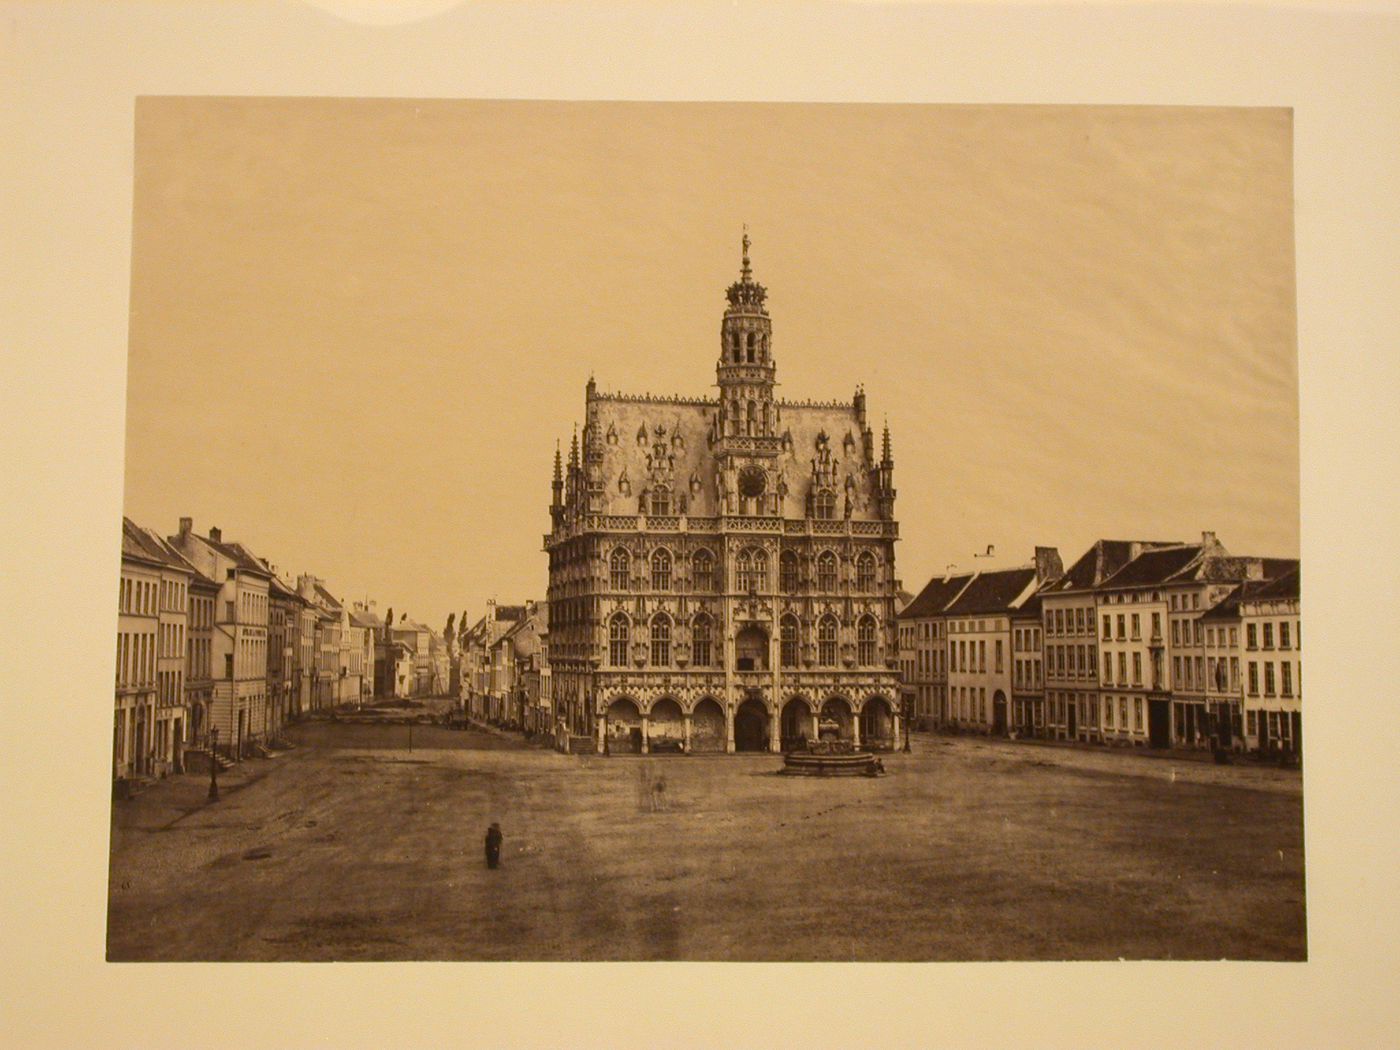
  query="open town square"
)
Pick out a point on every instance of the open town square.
point(352, 846)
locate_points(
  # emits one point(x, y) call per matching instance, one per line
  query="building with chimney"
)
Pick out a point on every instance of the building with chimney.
point(1152, 648)
point(981, 660)
point(1254, 646)
point(238, 703)
point(1069, 613)
point(151, 717)
point(924, 646)
point(722, 569)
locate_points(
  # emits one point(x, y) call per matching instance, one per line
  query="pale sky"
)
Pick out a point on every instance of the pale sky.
point(359, 327)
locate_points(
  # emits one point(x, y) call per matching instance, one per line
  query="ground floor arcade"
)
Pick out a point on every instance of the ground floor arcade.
point(630, 725)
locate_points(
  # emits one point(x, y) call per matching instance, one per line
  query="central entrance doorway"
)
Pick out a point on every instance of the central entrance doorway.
point(751, 726)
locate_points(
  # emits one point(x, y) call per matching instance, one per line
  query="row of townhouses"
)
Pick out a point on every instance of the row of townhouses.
point(1148, 643)
point(503, 662)
point(218, 650)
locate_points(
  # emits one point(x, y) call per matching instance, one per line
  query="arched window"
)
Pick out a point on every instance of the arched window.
point(824, 505)
point(826, 642)
point(619, 569)
point(660, 501)
point(661, 570)
point(660, 640)
point(617, 640)
point(751, 568)
point(865, 571)
point(865, 641)
point(787, 639)
point(787, 572)
point(703, 571)
point(701, 646)
point(751, 417)
point(826, 571)
point(750, 354)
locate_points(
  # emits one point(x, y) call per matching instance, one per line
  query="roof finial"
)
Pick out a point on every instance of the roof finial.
point(746, 273)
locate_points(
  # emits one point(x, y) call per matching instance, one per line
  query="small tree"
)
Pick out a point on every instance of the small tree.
point(447, 635)
point(388, 623)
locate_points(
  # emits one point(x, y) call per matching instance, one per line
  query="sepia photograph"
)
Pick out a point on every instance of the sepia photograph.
point(627, 531)
point(707, 524)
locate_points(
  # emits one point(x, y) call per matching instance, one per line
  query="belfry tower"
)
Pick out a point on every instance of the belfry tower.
point(746, 369)
point(745, 435)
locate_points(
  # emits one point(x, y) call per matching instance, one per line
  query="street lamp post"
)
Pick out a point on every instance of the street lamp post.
point(214, 764)
point(908, 725)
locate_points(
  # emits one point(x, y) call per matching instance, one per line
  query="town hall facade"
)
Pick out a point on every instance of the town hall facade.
point(721, 570)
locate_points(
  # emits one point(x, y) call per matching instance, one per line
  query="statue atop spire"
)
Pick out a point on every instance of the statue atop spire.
point(746, 295)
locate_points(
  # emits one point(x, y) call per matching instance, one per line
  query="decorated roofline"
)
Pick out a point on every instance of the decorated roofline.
point(705, 402)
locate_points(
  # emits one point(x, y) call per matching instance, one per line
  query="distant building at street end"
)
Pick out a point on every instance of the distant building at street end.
point(370, 633)
point(481, 661)
point(721, 569)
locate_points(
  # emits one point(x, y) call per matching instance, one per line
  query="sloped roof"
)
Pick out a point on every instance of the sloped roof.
point(992, 592)
point(1228, 608)
point(1101, 560)
point(144, 545)
point(1154, 566)
point(366, 618)
point(476, 632)
point(638, 437)
point(1285, 586)
point(935, 596)
point(1276, 568)
point(1030, 608)
point(281, 590)
point(239, 555)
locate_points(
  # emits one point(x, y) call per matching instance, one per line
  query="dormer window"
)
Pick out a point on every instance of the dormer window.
point(824, 505)
point(660, 502)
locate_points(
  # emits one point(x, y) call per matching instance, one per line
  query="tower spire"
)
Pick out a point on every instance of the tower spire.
point(746, 273)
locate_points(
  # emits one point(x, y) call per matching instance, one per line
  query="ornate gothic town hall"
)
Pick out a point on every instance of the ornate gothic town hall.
point(721, 569)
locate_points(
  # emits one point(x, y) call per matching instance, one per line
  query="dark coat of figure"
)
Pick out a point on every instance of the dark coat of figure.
point(493, 846)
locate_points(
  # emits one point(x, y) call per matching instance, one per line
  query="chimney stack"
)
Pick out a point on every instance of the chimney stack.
point(1208, 539)
point(186, 527)
point(216, 534)
point(1047, 564)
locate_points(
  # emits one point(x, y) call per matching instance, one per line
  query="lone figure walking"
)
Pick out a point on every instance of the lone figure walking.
point(493, 846)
